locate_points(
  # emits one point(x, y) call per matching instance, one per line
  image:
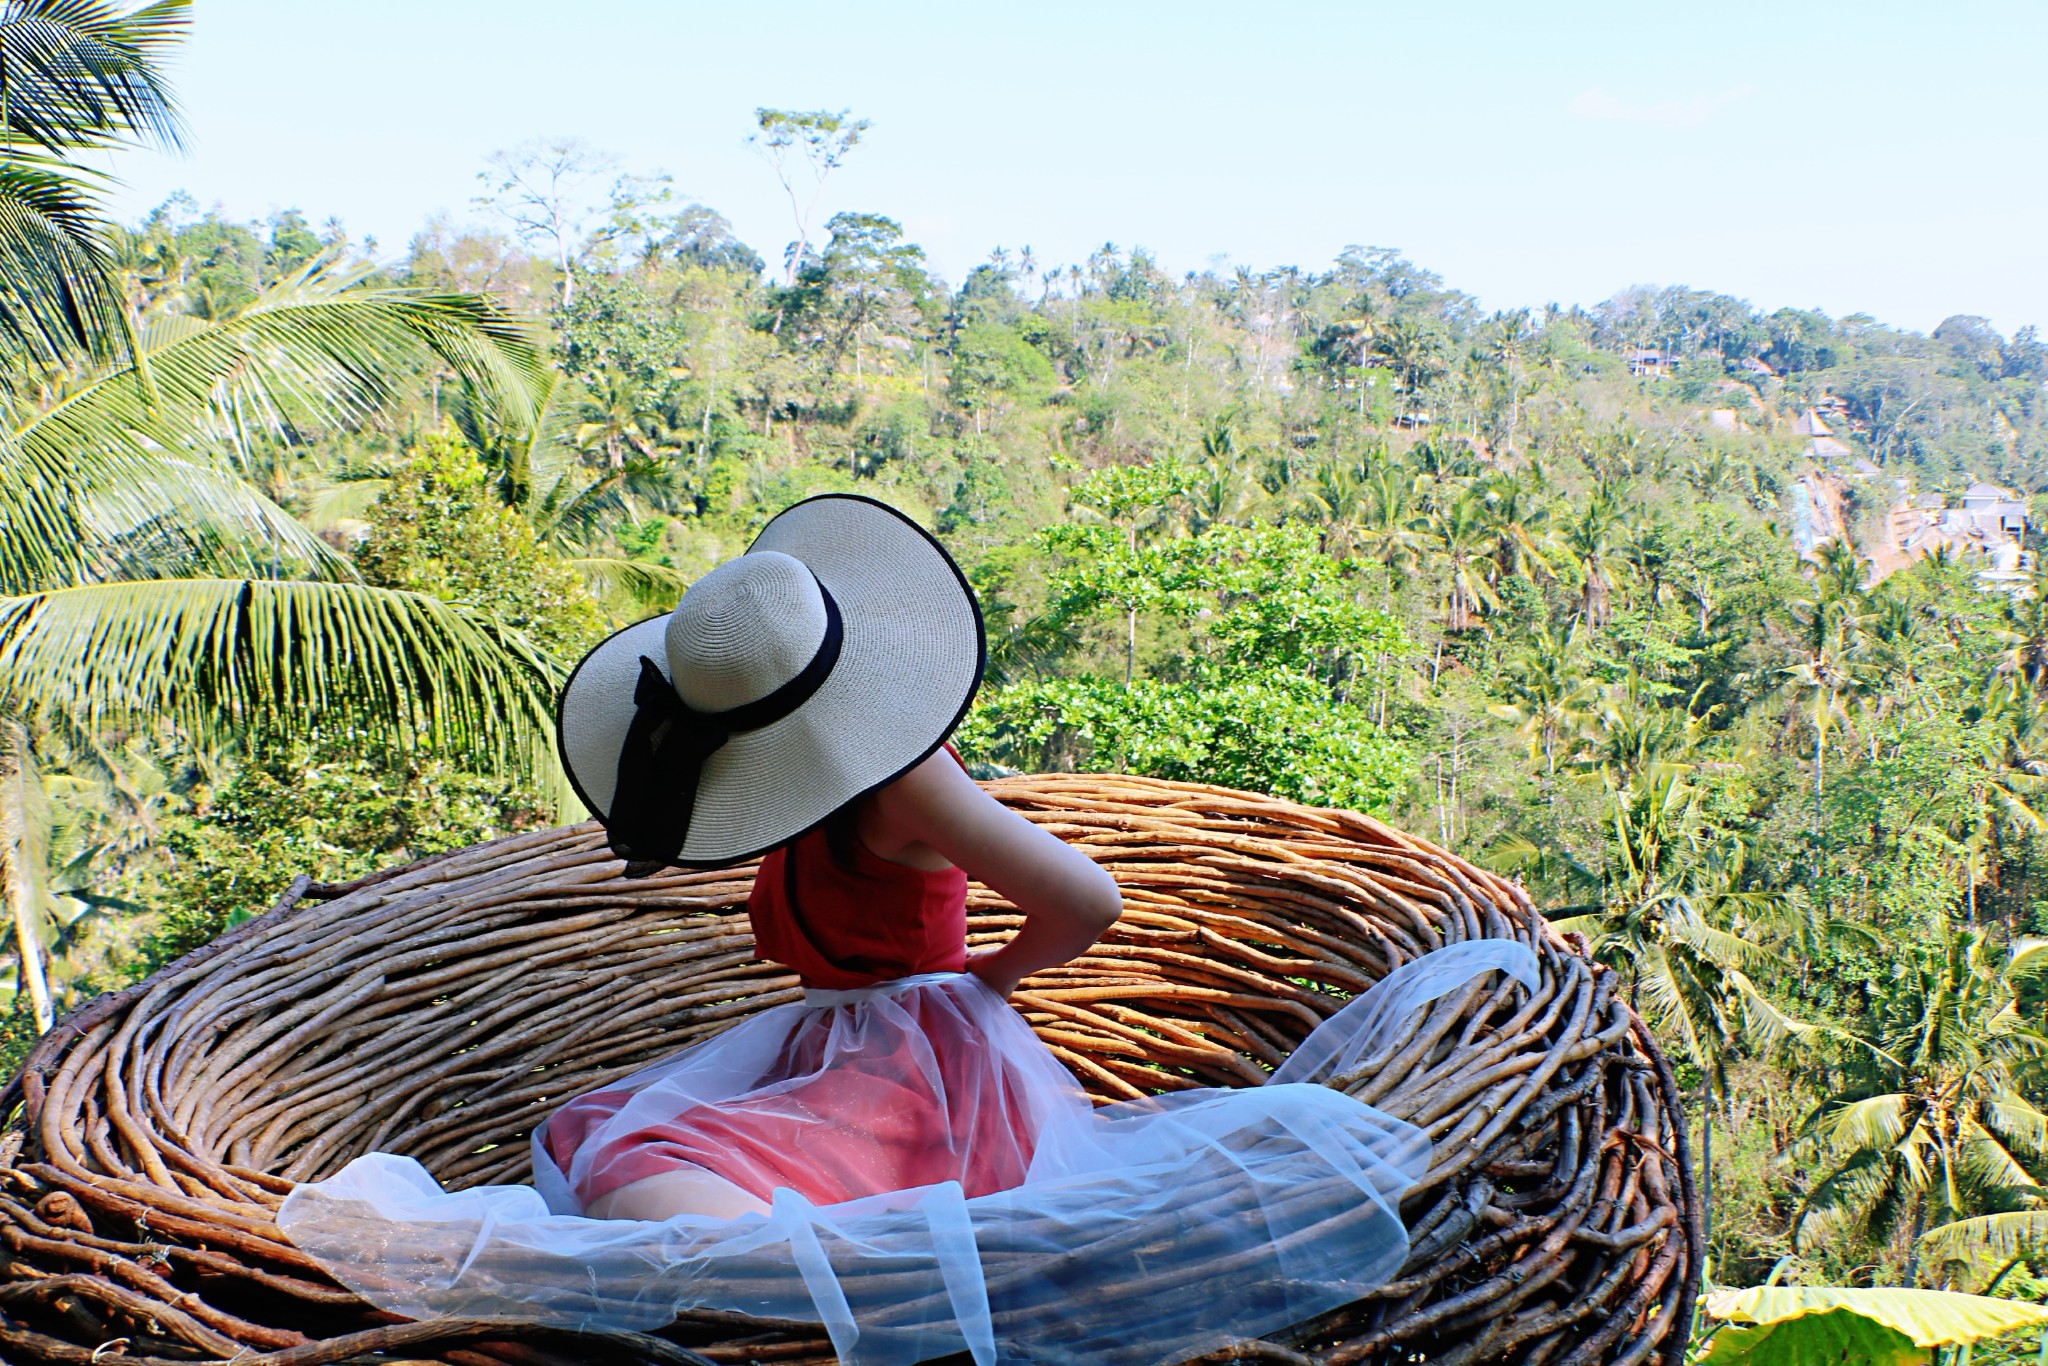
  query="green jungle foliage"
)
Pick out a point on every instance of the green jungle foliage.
point(1525, 583)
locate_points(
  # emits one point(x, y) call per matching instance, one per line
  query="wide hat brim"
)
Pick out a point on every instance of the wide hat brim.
point(909, 664)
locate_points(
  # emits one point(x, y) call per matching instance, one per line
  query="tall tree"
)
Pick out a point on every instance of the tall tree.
point(819, 140)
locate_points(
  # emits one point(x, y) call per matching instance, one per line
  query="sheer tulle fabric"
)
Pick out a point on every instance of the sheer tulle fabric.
point(917, 1081)
point(1241, 1211)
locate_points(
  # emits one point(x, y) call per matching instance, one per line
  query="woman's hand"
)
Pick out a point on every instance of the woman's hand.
point(985, 964)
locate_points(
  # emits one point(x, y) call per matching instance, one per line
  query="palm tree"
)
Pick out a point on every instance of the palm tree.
point(140, 576)
point(1588, 538)
point(1336, 499)
point(1678, 926)
point(1416, 350)
point(1828, 674)
point(531, 453)
point(2025, 638)
point(1389, 526)
point(1458, 533)
point(1347, 343)
point(1840, 574)
point(1550, 698)
point(1637, 736)
point(618, 418)
point(1829, 668)
point(1519, 525)
point(1934, 1122)
point(1506, 347)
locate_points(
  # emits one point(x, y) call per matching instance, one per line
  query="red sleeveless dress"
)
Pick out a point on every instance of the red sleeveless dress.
point(885, 1079)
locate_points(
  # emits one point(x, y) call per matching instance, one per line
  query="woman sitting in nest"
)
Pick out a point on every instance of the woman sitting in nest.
point(898, 1155)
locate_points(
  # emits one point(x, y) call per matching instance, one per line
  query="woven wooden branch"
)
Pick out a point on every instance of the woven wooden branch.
point(440, 1009)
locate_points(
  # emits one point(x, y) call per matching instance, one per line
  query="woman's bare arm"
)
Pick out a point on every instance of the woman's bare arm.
point(1067, 901)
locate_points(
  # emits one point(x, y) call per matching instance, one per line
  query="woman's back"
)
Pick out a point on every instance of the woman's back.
point(846, 917)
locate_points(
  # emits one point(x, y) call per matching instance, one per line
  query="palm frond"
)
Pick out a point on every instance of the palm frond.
point(1875, 1123)
point(2015, 1119)
point(349, 499)
point(75, 76)
point(1992, 1160)
point(78, 74)
point(2028, 956)
point(631, 581)
point(222, 656)
point(321, 347)
point(2017, 1233)
point(1717, 946)
point(58, 298)
point(1764, 1021)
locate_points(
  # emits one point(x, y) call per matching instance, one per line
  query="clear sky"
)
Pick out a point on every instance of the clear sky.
point(1883, 157)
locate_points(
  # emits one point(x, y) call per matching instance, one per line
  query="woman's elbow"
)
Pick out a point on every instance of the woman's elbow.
point(1103, 905)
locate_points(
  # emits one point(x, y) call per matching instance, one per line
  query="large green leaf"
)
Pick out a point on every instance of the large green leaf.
point(224, 656)
point(1824, 1325)
point(1836, 1338)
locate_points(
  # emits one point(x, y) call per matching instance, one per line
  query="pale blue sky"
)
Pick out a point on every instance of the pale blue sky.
point(1876, 156)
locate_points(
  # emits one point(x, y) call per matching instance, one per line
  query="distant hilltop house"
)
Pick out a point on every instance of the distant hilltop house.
point(1990, 526)
point(1652, 364)
point(1824, 445)
point(1758, 368)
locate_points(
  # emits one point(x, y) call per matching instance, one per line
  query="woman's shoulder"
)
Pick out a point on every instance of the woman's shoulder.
point(898, 823)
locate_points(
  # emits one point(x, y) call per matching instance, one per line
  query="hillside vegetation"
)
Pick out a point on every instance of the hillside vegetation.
point(1338, 533)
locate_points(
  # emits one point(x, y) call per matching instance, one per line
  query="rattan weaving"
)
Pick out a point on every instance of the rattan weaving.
point(439, 1009)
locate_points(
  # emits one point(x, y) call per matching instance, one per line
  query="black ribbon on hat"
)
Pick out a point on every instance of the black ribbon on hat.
point(669, 740)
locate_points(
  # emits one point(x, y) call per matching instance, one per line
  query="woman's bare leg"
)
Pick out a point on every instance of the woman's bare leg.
point(686, 1190)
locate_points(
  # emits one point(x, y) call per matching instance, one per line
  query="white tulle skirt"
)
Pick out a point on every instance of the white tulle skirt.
point(1238, 1211)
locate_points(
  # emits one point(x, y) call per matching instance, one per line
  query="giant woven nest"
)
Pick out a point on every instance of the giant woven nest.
point(440, 1009)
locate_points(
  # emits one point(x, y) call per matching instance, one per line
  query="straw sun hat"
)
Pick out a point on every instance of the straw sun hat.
point(830, 659)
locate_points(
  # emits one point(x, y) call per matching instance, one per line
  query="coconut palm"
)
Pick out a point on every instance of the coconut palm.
point(2025, 638)
point(1676, 922)
point(1519, 525)
point(1507, 346)
point(1335, 499)
point(141, 576)
point(1458, 534)
point(1550, 699)
point(1416, 348)
point(1588, 538)
point(1637, 735)
point(1933, 1125)
point(531, 453)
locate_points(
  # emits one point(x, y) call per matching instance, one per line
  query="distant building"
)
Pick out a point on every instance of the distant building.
point(1652, 365)
point(1989, 526)
point(1984, 501)
point(1757, 367)
point(1824, 445)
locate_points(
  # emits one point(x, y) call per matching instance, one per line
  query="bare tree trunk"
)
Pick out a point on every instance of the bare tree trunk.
point(16, 884)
